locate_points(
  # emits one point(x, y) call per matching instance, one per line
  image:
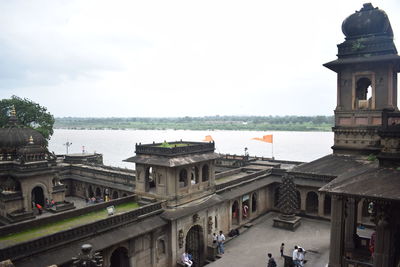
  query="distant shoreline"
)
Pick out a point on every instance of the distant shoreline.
point(211, 123)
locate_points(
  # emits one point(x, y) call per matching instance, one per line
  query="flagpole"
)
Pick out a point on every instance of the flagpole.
point(272, 150)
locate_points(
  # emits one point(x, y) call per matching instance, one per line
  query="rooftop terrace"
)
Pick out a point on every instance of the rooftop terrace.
point(178, 148)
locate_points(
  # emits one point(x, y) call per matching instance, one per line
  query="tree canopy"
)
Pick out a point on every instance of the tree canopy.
point(29, 114)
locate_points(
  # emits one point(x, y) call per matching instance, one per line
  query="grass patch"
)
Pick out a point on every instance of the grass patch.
point(63, 225)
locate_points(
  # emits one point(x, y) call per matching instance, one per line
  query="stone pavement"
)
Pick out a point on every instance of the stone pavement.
point(251, 248)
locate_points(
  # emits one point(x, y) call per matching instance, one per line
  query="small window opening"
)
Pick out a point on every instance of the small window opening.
point(183, 181)
point(149, 179)
point(205, 173)
point(195, 175)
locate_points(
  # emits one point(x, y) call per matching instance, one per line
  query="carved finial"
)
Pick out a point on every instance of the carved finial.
point(13, 112)
point(30, 140)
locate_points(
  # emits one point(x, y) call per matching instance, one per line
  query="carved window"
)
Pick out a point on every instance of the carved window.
point(363, 89)
point(183, 178)
point(149, 179)
point(161, 247)
point(195, 175)
point(205, 173)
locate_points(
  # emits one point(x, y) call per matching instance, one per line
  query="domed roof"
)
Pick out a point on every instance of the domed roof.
point(368, 21)
point(15, 135)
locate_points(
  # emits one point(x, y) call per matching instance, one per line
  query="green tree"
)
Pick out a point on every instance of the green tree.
point(29, 114)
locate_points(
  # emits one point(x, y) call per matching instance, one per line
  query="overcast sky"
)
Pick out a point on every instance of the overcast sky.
point(175, 58)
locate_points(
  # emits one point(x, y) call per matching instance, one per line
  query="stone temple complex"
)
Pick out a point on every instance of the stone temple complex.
point(182, 192)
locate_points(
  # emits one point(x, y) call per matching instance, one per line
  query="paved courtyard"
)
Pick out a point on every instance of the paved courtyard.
point(251, 247)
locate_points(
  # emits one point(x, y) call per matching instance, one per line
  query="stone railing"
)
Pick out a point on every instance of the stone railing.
point(242, 179)
point(312, 176)
point(10, 196)
point(188, 148)
point(35, 246)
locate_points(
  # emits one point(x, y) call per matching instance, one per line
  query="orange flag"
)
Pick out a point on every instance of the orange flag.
point(266, 138)
point(208, 138)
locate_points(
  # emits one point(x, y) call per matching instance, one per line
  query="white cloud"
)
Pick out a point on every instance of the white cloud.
point(174, 58)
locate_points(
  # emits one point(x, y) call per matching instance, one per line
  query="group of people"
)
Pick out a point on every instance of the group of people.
point(187, 258)
point(219, 241)
point(298, 256)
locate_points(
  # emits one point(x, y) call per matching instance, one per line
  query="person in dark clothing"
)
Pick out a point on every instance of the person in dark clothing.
point(271, 261)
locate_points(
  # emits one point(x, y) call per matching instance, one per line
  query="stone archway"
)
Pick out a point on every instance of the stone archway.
point(195, 245)
point(119, 258)
point(312, 202)
point(38, 195)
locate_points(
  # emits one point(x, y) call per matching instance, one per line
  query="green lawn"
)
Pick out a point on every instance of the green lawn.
point(63, 225)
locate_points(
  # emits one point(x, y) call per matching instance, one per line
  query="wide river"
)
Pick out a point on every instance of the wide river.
point(117, 145)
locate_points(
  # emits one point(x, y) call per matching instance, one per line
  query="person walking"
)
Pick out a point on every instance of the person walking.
point(271, 261)
point(220, 243)
point(282, 248)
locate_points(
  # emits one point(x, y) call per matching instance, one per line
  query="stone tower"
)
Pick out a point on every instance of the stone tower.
point(366, 68)
point(178, 172)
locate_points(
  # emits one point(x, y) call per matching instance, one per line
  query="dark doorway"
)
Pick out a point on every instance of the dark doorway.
point(235, 212)
point(90, 191)
point(327, 205)
point(254, 202)
point(119, 258)
point(38, 196)
point(149, 180)
point(312, 202)
point(115, 195)
point(98, 192)
point(195, 245)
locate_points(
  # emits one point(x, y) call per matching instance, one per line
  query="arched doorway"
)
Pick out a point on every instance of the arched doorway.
point(235, 212)
point(38, 195)
point(195, 244)
point(312, 202)
point(149, 180)
point(90, 192)
point(327, 205)
point(115, 195)
point(119, 258)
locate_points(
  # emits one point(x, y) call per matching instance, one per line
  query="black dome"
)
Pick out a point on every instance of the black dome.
point(367, 21)
point(14, 135)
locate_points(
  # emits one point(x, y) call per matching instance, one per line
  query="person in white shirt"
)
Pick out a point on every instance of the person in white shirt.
point(220, 243)
point(300, 256)
point(295, 257)
point(185, 259)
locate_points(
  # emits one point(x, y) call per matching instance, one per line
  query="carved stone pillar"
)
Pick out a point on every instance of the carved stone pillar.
point(240, 209)
point(350, 224)
point(303, 197)
point(337, 231)
point(321, 204)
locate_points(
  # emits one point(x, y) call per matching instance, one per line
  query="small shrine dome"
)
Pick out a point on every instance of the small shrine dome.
point(14, 135)
point(369, 21)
